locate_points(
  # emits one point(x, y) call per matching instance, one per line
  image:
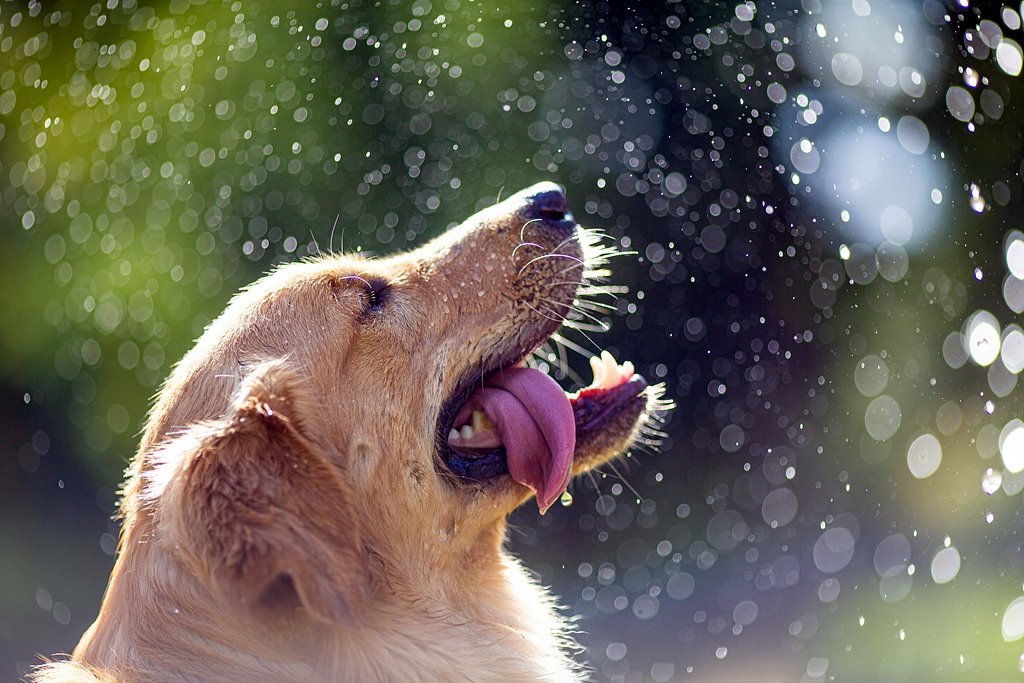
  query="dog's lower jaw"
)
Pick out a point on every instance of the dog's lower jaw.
point(620, 430)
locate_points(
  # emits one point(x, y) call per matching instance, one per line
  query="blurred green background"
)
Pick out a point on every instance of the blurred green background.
point(820, 199)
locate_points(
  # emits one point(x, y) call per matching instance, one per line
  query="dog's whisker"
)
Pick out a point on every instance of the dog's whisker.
point(624, 480)
point(555, 303)
point(547, 315)
point(525, 244)
point(553, 352)
point(571, 345)
point(587, 288)
point(541, 352)
point(357, 277)
point(579, 262)
point(643, 446)
point(575, 323)
point(330, 244)
point(314, 242)
point(553, 254)
point(563, 360)
point(578, 316)
point(594, 276)
point(563, 243)
point(549, 312)
point(522, 230)
point(593, 305)
point(576, 311)
point(581, 326)
point(572, 308)
point(585, 301)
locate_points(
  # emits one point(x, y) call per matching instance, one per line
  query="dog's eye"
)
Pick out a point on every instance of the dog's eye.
point(375, 295)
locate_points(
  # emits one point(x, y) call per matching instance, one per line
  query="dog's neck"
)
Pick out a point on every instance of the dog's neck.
point(433, 617)
point(413, 630)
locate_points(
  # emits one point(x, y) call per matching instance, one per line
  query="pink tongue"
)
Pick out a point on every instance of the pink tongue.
point(535, 420)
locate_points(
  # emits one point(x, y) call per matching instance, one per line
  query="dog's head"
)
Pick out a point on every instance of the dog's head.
point(349, 411)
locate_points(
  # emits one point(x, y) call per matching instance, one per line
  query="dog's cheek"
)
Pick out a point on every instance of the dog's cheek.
point(362, 461)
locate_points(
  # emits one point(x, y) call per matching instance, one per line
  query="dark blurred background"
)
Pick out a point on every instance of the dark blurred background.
point(822, 202)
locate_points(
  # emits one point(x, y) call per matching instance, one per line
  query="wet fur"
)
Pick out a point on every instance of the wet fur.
point(286, 517)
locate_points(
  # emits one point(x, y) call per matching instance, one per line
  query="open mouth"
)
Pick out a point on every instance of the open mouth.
point(517, 421)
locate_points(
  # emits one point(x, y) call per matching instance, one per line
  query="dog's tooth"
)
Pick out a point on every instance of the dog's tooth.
point(480, 422)
point(608, 374)
point(466, 432)
point(453, 435)
point(597, 367)
point(611, 369)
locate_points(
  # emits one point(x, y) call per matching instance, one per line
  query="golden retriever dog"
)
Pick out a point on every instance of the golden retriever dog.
point(321, 490)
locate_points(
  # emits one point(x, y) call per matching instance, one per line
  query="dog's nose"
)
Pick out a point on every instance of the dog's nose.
point(547, 202)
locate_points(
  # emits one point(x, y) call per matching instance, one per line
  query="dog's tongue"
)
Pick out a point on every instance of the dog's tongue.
point(534, 419)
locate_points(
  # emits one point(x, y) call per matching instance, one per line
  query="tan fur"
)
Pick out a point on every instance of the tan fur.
point(287, 518)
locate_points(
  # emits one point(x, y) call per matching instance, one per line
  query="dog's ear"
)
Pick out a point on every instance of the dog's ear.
point(259, 509)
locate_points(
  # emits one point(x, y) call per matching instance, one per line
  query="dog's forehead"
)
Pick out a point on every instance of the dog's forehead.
point(309, 280)
point(345, 267)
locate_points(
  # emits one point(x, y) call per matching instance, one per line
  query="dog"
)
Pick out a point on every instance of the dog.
point(321, 490)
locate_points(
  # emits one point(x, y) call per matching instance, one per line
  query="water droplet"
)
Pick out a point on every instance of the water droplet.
point(615, 651)
point(960, 103)
point(779, 507)
point(945, 565)
point(1009, 56)
point(882, 418)
point(976, 201)
point(847, 68)
point(982, 334)
point(871, 375)
point(745, 11)
point(833, 550)
point(776, 93)
point(991, 481)
point(1013, 621)
point(924, 456)
point(1011, 445)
